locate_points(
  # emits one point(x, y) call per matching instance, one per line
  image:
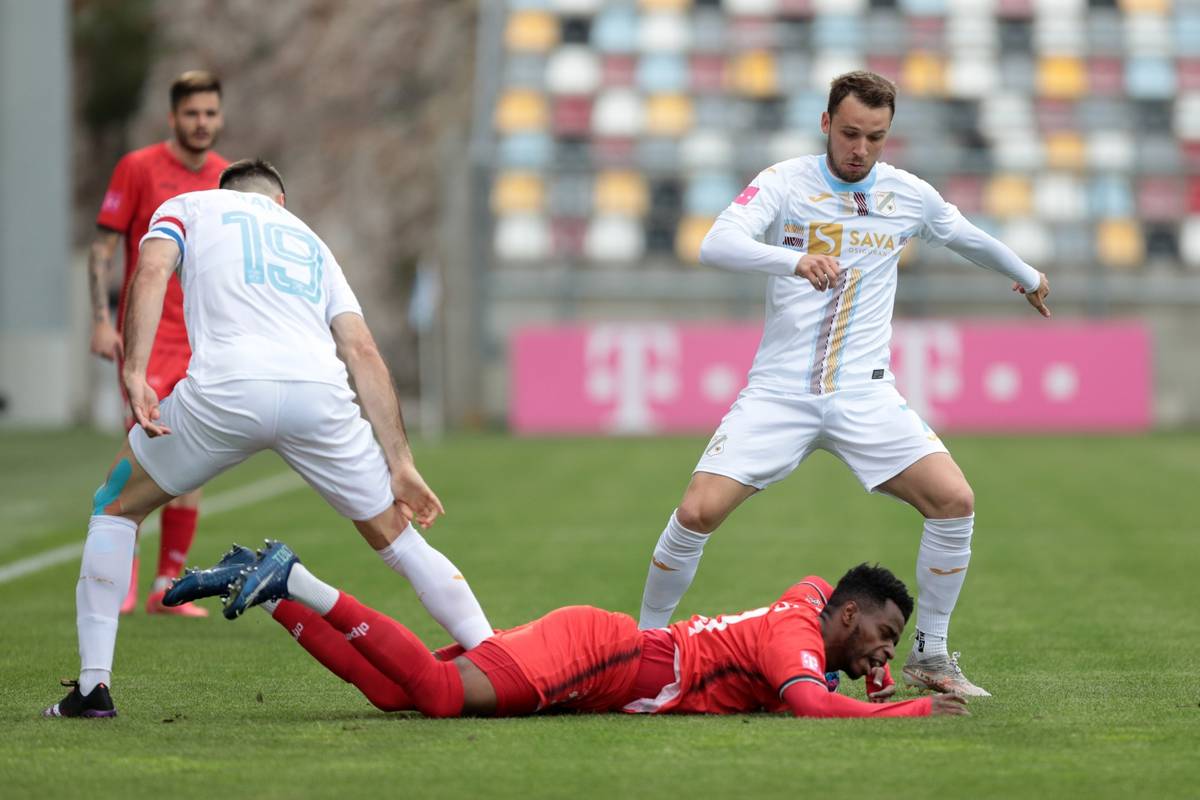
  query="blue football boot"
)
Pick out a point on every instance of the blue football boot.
point(262, 581)
point(197, 583)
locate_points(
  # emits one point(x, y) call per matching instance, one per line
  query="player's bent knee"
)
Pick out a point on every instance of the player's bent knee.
point(955, 503)
point(700, 516)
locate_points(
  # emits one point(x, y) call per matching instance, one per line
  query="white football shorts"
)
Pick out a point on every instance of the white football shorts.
point(315, 427)
point(766, 434)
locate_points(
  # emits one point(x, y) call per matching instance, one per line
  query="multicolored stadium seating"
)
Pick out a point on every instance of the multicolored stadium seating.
point(1069, 128)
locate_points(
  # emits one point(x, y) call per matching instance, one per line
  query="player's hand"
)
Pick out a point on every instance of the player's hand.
point(415, 499)
point(949, 705)
point(144, 403)
point(106, 342)
point(879, 689)
point(1037, 298)
point(821, 271)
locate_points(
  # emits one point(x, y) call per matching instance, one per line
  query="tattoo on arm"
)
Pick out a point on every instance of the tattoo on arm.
point(99, 263)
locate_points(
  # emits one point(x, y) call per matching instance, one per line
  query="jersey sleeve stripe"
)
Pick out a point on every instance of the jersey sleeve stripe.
point(173, 234)
point(178, 223)
point(793, 681)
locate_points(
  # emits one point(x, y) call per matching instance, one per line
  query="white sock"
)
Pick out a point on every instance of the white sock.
point(941, 569)
point(306, 588)
point(269, 606)
point(440, 587)
point(103, 581)
point(676, 558)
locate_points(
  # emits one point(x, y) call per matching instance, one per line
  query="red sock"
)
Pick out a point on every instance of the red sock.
point(330, 647)
point(178, 530)
point(434, 686)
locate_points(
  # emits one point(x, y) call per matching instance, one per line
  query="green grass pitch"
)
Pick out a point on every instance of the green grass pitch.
point(1081, 615)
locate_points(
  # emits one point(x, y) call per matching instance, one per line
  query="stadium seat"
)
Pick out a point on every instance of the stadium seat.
point(1059, 197)
point(706, 73)
point(1110, 196)
point(965, 192)
point(1119, 243)
point(668, 114)
point(708, 32)
point(618, 112)
point(1186, 29)
point(689, 235)
point(621, 192)
point(706, 149)
point(615, 30)
point(658, 154)
point(526, 150)
point(1189, 242)
point(521, 110)
point(923, 74)
point(1008, 196)
point(522, 237)
point(753, 74)
point(1150, 77)
point(573, 69)
point(1061, 77)
point(576, 7)
point(665, 5)
point(1065, 150)
point(1110, 150)
point(1186, 121)
point(571, 116)
point(534, 31)
point(709, 193)
point(613, 151)
point(618, 70)
point(514, 192)
point(1161, 199)
point(971, 75)
point(751, 8)
point(662, 72)
point(614, 239)
point(1030, 239)
point(663, 32)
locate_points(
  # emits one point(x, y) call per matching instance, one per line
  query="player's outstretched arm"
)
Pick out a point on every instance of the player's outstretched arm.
point(810, 699)
point(106, 342)
point(146, 292)
point(373, 385)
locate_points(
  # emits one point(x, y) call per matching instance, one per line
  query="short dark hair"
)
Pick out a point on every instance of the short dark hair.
point(250, 174)
point(875, 91)
point(875, 585)
point(193, 82)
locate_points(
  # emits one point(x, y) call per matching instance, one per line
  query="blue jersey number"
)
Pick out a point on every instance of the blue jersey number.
point(285, 243)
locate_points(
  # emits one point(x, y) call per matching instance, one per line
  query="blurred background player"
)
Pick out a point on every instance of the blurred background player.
point(829, 230)
point(142, 181)
point(586, 659)
point(278, 337)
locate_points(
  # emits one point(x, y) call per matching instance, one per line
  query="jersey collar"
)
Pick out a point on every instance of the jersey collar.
point(841, 186)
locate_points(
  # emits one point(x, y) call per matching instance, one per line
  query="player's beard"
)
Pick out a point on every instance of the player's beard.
point(836, 169)
point(184, 141)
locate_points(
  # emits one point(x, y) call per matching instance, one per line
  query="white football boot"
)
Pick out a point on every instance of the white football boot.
point(940, 673)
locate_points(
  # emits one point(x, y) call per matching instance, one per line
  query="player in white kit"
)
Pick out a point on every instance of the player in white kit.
point(829, 229)
point(273, 327)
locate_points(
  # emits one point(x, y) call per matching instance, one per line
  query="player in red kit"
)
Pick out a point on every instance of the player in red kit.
point(585, 659)
point(142, 181)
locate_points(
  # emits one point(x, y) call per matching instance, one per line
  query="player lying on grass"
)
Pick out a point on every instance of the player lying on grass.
point(587, 659)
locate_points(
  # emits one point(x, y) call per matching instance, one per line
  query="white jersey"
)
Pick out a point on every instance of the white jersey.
point(260, 289)
point(819, 342)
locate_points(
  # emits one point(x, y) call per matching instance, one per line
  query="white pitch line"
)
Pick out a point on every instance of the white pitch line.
point(231, 500)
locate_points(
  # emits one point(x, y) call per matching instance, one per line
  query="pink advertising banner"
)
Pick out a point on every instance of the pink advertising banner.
point(636, 378)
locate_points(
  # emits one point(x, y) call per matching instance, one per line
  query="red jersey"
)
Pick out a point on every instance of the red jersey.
point(737, 663)
point(142, 181)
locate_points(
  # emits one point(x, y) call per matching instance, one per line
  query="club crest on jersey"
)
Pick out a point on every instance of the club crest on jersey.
point(885, 203)
point(810, 661)
point(716, 446)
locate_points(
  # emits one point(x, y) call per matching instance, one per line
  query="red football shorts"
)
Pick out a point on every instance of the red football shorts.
point(579, 657)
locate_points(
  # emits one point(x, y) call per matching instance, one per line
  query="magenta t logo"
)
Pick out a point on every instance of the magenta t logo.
point(632, 366)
